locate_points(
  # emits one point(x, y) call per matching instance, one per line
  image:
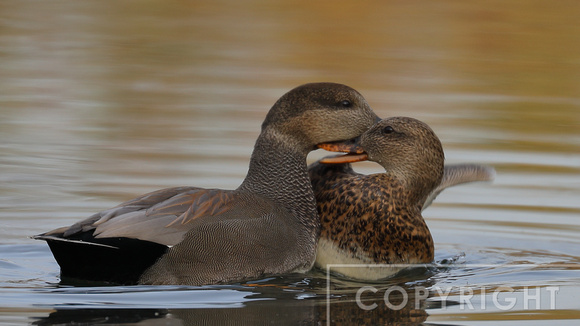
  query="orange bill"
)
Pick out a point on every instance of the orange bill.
point(349, 146)
point(347, 158)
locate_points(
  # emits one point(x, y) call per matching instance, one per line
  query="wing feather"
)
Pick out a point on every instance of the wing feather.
point(455, 174)
point(161, 216)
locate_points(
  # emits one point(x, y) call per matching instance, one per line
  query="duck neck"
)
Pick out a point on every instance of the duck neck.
point(413, 190)
point(278, 171)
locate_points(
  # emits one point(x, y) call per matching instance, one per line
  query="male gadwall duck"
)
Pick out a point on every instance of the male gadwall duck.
point(376, 219)
point(194, 236)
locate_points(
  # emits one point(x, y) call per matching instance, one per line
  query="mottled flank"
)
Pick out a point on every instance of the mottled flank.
point(370, 216)
point(377, 218)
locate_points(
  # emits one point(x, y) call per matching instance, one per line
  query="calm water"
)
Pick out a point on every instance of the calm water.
point(100, 102)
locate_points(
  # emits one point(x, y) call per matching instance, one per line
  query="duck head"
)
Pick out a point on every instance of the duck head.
point(407, 148)
point(319, 113)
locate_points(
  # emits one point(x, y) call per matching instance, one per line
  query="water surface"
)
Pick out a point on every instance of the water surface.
point(102, 102)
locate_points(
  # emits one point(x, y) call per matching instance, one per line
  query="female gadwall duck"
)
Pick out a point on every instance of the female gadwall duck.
point(187, 235)
point(376, 219)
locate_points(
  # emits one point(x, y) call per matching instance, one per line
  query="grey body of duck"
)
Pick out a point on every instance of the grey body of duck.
point(376, 219)
point(195, 236)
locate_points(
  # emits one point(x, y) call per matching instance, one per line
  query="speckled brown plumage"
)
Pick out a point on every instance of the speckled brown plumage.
point(377, 218)
point(371, 216)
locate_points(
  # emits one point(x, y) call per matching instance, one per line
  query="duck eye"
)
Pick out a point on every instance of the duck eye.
point(346, 104)
point(388, 130)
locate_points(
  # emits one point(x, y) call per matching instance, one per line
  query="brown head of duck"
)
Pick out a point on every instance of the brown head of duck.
point(189, 235)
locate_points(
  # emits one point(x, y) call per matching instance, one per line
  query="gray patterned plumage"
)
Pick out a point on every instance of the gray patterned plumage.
point(268, 225)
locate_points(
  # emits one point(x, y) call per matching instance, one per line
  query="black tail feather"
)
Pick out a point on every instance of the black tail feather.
point(110, 260)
